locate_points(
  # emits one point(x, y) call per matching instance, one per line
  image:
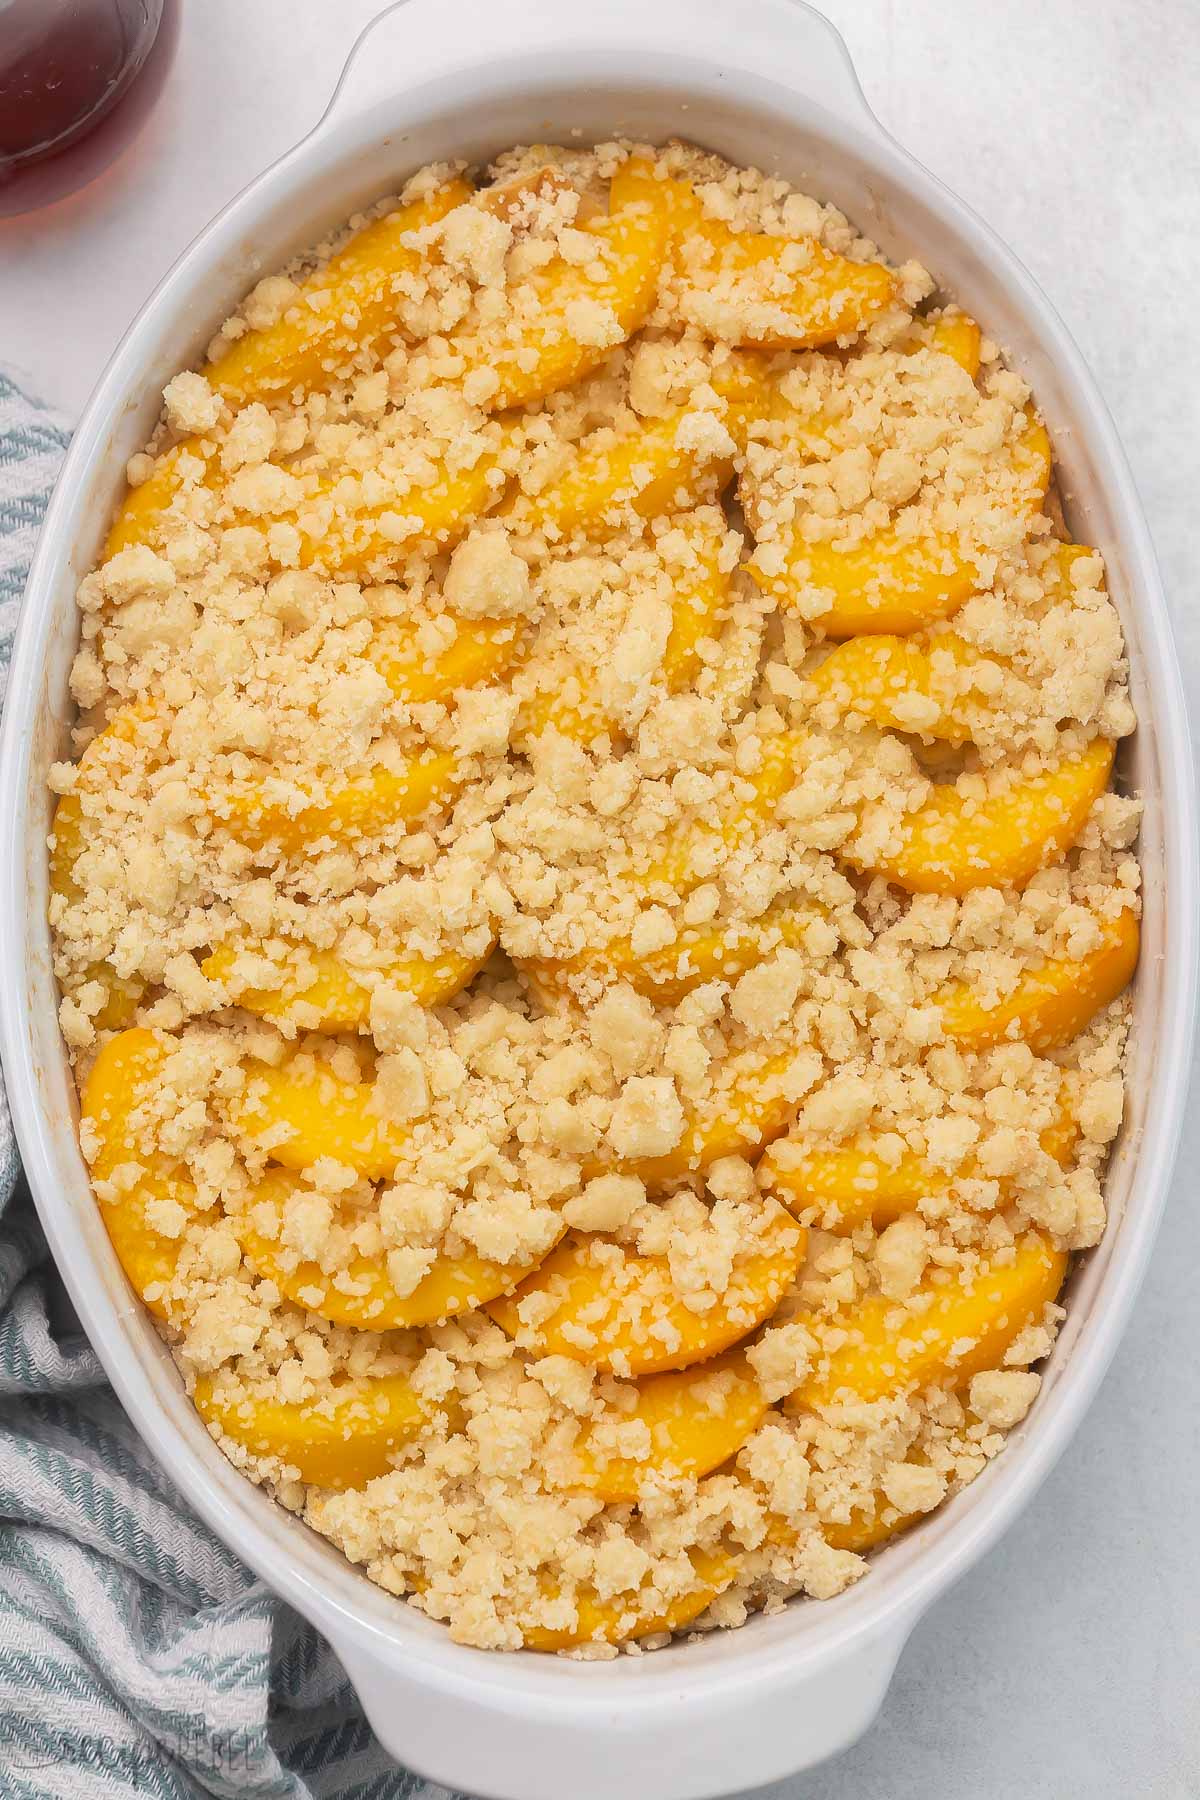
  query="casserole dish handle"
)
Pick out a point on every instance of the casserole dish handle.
point(417, 41)
point(522, 1739)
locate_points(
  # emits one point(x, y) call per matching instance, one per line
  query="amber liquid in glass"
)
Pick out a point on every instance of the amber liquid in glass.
point(64, 66)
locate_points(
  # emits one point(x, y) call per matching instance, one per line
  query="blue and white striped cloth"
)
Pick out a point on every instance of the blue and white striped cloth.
point(137, 1655)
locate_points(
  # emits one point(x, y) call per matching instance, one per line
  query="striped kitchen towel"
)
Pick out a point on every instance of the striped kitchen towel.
point(137, 1655)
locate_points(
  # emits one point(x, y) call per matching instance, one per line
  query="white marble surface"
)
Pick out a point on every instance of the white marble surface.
point(1069, 1663)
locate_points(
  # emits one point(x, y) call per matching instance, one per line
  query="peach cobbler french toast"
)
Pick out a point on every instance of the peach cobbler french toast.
point(591, 910)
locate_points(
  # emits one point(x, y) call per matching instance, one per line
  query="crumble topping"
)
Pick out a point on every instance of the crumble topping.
point(568, 1055)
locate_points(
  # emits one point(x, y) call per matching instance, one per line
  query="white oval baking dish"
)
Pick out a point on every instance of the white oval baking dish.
point(766, 82)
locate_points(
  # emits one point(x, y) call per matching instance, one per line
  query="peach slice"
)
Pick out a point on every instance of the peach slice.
point(302, 1111)
point(784, 293)
point(142, 1189)
point(700, 605)
point(862, 1531)
point(354, 300)
point(1052, 1003)
point(369, 1302)
point(592, 1301)
point(663, 467)
point(755, 1110)
point(68, 839)
point(906, 683)
point(341, 1442)
point(317, 991)
point(694, 851)
point(132, 728)
point(852, 1183)
point(573, 708)
point(106, 758)
point(142, 513)
point(950, 331)
point(893, 583)
point(345, 810)
point(569, 316)
point(951, 1329)
point(1056, 570)
point(136, 728)
point(693, 1420)
point(700, 953)
point(699, 608)
point(337, 529)
point(362, 1295)
point(616, 1620)
point(356, 536)
point(479, 651)
point(950, 844)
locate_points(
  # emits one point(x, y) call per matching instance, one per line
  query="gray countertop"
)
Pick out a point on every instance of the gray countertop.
point(1069, 1662)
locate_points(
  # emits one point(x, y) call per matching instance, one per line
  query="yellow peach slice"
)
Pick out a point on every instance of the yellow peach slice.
point(852, 1183)
point(346, 810)
point(572, 708)
point(143, 511)
point(478, 651)
point(351, 536)
point(106, 758)
point(355, 536)
point(140, 1186)
point(318, 992)
point(363, 1295)
point(1056, 570)
point(122, 998)
point(616, 1620)
point(103, 763)
point(572, 314)
point(699, 608)
point(337, 530)
point(690, 1420)
point(950, 1329)
point(665, 466)
point(952, 333)
point(889, 584)
point(1052, 1003)
point(950, 845)
point(693, 852)
point(906, 683)
point(340, 1442)
point(367, 1299)
point(776, 292)
point(647, 473)
point(700, 953)
point(892, 583)
point(354, 300)
point(67, 841)
point(757, 1109)
point(302, 1111)
point(596, 1303)
point(862, 1531)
